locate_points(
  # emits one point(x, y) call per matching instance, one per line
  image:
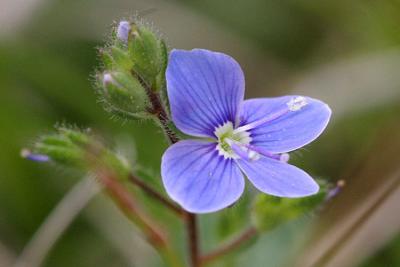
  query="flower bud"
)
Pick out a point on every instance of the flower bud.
point(74, 148)
point(149, 56)
point(124, 27)
point(124, 95)
point(115, 57)
point(107, 79)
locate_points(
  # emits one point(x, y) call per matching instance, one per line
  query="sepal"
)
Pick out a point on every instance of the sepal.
point(123, 95)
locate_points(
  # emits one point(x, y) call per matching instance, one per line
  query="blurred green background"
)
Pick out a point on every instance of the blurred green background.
point(346, 53)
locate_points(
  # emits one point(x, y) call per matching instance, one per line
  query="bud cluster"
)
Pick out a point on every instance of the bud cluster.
point(78, 149)
point(134, 66)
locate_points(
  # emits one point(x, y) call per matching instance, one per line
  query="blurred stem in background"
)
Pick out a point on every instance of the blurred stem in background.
point(56, 223)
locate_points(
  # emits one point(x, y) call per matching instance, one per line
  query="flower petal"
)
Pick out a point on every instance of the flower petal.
point(290, 131)
point(200, 180)
point(205, 90)
point(276, 178)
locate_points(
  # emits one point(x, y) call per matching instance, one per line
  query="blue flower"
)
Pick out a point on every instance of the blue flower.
point(233, 137)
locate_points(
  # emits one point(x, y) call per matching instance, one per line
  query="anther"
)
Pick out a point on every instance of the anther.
point(297, 103)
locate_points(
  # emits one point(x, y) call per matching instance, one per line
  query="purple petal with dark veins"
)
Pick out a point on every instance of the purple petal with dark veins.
point(276, 178)
point(288, 132)
point(200, 180)
point(205, 90)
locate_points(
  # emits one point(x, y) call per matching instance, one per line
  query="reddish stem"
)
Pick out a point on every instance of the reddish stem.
point(191, 225)
point(128, 205)
point(157, 109)
point(156, 195)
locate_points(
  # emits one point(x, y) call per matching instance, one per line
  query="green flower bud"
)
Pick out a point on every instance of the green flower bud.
point(74, 136)
point(148, 54)
point(124, 95)
point(121, 58)
point(268, 212)
point(116, 58)
point(67, 146)
point(67, 156)
point(78, 149)
point(106, 58)
point(160, 79)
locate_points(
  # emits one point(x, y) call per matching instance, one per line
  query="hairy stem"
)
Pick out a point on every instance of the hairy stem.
point(156, 195)
point(159, 111)
point(224, 249)
point(191, 227)
point(155, 236)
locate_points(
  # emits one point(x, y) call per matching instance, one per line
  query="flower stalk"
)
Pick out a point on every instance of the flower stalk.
point(126, 202)
point(192, 233)
point(190, 218)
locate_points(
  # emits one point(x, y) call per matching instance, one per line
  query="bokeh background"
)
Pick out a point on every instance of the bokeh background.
point(346, 53)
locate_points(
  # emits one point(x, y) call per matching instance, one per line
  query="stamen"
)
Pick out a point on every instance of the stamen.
point(295, 104)
point(284, 157)
point(233, 145)
point(253, 155)
point(239, 151)
point(243, 151)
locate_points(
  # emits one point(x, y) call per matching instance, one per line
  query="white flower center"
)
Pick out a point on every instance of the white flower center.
point(227, 137)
